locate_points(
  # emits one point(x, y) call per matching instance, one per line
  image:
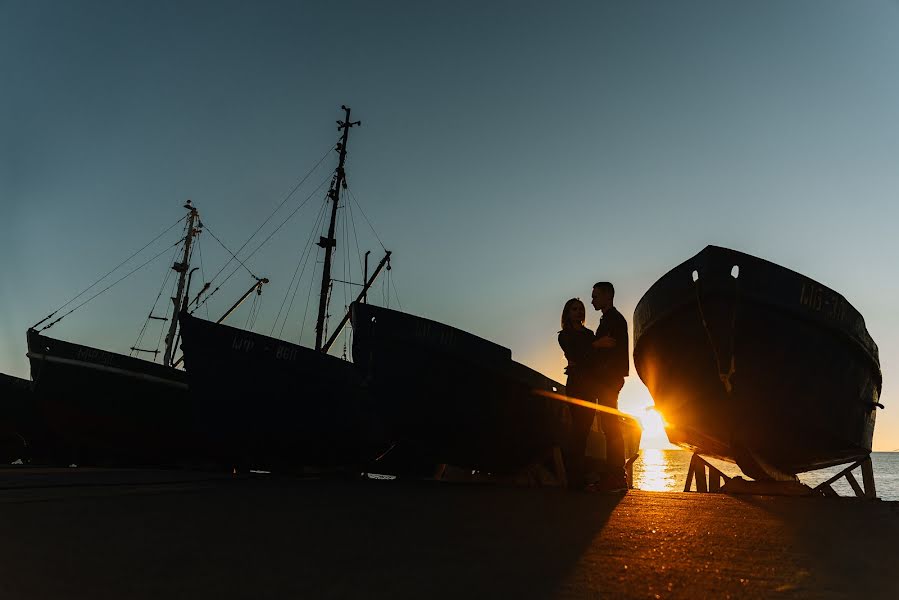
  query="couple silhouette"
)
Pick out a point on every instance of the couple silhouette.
point(597, 365)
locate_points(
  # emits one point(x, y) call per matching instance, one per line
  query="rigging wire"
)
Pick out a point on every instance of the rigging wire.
point(305, 255)
point(272, 214)
point(169, 311)
point(395, 292)
point(347, 272)
point(165, 280)
point(304, 260)
point(253, 312)
point(202, 268)
point(356, 237)
point(233, 256)
point(308, 298)
point(290, 216)
point(346, 257)
point(359, 206)
point(110, 285)
point(110, 272)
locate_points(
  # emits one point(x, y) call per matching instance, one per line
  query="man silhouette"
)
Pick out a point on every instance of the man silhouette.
point(612, 366)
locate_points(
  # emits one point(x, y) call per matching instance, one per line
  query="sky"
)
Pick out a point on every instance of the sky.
point(510, 155)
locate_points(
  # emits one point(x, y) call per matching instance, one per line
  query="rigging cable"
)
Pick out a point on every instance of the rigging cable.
point(308, 255)
point(359, 206)
point(308, 298)
point(233, 256)
point(166, 314)
point(395, 292)
point(356, 237)
point(347, 270)
point(109, 286)
point(114, 269)
point(346, 257)
point(202, 268)
point(253, 312)
point(162, 330)
point(290, 216)
point(295, 281)
point(165, 280)
point(272, 214)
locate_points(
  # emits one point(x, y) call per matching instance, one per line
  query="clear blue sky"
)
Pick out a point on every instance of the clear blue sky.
point(510, 154)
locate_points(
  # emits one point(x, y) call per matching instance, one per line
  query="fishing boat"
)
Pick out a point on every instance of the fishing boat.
point(109, 408)
point(448, 396)
point(268, 403)
point(757, 364)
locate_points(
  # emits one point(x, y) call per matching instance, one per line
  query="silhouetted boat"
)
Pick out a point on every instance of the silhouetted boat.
point(109, 408)
point(268, 403)
point(757, 364)
point(447, 396)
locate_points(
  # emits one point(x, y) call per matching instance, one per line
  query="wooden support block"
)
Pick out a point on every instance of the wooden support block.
point(708, 478)
point(701, 485)
point(855, 486)
point(868, 478)
point(827, 490)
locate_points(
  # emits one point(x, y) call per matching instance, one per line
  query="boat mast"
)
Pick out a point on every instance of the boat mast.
point(328, 243)
point(180, 268)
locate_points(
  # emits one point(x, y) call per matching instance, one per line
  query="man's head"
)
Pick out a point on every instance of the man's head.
point(603, 296)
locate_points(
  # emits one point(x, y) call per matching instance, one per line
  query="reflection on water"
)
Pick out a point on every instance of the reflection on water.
point(661, 470)
point(666, 471)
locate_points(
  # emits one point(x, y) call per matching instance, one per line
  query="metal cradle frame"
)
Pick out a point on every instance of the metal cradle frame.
point(708, 479)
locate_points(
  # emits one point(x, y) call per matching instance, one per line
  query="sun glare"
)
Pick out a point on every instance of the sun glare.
point(654, 435)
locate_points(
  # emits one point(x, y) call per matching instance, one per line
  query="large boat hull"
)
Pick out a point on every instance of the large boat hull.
point(451, 397)
point(757, 364)
point(268, 403)
point(107, 408)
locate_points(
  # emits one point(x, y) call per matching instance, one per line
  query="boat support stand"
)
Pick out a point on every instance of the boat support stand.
point(867, 469)
point(708, 479)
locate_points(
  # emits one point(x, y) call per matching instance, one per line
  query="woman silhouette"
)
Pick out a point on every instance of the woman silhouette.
point(577, 344)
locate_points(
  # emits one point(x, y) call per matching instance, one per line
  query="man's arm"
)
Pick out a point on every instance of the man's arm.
point(604, 342)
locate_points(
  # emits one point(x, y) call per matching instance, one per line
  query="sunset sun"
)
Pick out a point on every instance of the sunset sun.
point(653, 424)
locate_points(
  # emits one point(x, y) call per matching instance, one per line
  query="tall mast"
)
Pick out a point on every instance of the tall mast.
point(328, 243)
point(181, 268)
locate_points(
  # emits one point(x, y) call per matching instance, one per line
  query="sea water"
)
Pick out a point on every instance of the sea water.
point(666, 470)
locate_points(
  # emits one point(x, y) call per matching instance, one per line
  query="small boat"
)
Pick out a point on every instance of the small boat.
point(448, 396)
point(109, 408)
point(754, 363)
